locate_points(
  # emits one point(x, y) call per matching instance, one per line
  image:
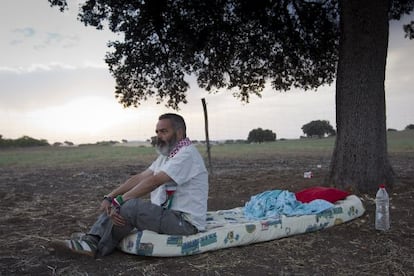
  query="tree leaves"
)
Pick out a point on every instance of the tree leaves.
point(318, 128)
point(237, 45)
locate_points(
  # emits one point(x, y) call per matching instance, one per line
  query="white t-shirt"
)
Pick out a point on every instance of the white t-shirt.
point(190, 177)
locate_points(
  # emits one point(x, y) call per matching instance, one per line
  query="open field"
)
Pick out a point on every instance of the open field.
point(48, 193)
point(401, 141)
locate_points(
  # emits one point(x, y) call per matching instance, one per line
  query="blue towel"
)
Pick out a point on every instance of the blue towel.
point(280, 202)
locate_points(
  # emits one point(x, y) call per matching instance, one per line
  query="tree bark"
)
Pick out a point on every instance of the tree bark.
point(360, 158)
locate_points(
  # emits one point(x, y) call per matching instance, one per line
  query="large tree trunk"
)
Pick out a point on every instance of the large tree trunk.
point(360, 159)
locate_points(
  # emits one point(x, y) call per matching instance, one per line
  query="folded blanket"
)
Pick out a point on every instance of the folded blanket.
point(281, 202)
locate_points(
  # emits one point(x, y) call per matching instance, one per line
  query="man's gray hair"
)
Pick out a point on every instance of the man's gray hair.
point(176, 120)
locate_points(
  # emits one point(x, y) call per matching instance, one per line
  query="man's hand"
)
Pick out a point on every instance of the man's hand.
point(105, 207)
point(117, 219)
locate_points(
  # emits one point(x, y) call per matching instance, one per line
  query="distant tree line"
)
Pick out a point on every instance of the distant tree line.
point(66, 143)
point(27, 141)
point(318, 128)
point(24, 141)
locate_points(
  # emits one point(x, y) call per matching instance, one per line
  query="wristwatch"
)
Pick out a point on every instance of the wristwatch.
point(108, 198)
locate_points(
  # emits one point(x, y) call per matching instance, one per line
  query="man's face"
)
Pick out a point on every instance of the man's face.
point(166, 137)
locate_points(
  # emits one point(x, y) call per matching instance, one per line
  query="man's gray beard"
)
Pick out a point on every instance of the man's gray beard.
point(167, 148)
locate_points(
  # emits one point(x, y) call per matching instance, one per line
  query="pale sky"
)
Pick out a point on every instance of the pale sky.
point(56, 86)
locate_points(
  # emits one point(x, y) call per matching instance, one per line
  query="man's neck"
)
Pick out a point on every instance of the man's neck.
point(180, 144)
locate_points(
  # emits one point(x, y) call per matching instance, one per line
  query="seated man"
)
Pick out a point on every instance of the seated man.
point(178, 183)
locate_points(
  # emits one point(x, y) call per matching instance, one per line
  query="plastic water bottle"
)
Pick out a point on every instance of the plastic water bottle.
point(382, 212)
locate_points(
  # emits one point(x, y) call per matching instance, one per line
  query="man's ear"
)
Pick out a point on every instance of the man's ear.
point(180, 133)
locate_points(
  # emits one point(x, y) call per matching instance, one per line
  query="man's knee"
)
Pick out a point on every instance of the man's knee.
point(142, 214)
point(130, 207)
point(134, 208)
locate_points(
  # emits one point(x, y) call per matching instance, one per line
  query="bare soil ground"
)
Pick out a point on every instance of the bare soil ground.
point(42, 204)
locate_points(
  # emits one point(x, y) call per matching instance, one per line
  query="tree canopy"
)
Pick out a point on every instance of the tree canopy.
point(237, 45)
point(260, 135)
point(234, 44)
point(318, 128)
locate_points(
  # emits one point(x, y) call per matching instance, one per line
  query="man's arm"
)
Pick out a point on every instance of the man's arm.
point(147, 185)
point(131, 183)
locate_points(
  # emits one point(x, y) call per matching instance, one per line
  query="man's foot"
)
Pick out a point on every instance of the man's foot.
point(83, 246)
